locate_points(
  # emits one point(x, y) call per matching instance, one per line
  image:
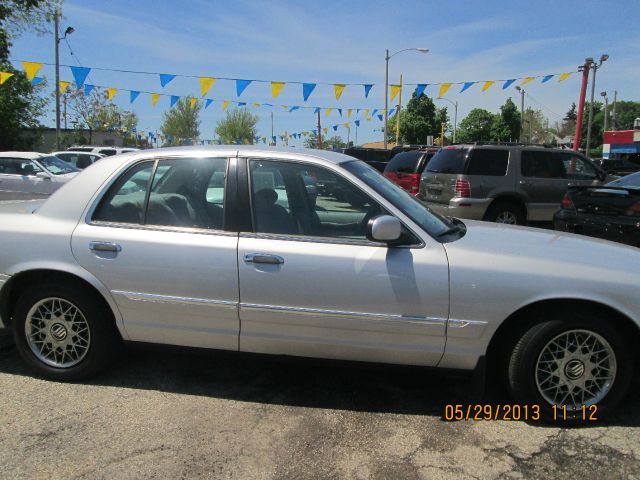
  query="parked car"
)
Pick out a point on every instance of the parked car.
point(509, 184)
point(622, 165)
point(405, 168)
point(107, 151)
point(611, 211)
point(376, 157)
point(80, 160)
point(375, 277)
point(28, 175)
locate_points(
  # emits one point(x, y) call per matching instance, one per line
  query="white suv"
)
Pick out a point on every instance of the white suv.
point(104, 150)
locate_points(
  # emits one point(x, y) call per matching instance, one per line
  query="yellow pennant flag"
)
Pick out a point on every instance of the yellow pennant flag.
point(276, 88)
point(63, 86)
point(346, 125)
point(564, 76)
point(349, 113)
point(111, 92)
point(205, 84)
point(31, 68)
point(225, 104)
point(325, 129)
point(487, 84)
point(329, 111)
point(154, 98)
point(366, 112)
point(4, 76)
point(192, 102)
point(284, 107)
point(443, 89)
point(338, 88)
point(395, 90)
point(256, 105)
point(527, 80)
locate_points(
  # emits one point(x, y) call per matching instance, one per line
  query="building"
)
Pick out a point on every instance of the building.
point(71, 136)
point(621, 144)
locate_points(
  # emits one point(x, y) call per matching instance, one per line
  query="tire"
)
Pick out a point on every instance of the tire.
point(535, 355)
point(505, 212)
point(65, 318)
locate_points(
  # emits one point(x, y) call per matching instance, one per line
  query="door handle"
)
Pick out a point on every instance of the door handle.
point(104, 247)
point(263, 258)
point(524, 183)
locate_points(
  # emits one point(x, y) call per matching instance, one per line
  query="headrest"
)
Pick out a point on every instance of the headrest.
point(266, 197)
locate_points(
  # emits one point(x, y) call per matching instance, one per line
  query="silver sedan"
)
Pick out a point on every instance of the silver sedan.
point(314, 254)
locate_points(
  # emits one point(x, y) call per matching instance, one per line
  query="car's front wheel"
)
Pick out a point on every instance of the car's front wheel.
point(64, 332)
point(567, 367)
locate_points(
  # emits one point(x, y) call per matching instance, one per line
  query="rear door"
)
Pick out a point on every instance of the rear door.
point(486, 172)
point(543, 182)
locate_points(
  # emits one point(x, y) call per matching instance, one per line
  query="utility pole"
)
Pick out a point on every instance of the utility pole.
point(442, 125)
point(606, 111)
point(603, 58)
point(522, 92)
point(398, 115)
point(319, 132)
point(272, 141)
point(583, 92)
point(356, 141)
point(613, 110)
point(386, 95)
point(64, 100)
point(56, 35)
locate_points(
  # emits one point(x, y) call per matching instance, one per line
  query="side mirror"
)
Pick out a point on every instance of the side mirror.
point(384, 228)
point(43, 175)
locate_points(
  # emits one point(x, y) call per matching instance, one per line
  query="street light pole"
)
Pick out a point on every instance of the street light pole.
point(606, 109)
point(613, 110)
point(455, 116)
point(603, 58)
point(57, 87)
point(522, 92)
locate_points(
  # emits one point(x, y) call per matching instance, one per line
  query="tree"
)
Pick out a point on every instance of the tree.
point(182, 122)
point(626, 113)
point(239, 126)
point(419, 120)
point(16, 16)
point(311, 141)
point(511, 120)
point(536, 129)
point(476, 126)
point(500, 131)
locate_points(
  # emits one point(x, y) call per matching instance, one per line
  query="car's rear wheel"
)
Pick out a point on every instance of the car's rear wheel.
point(505, 212)
point(64, 333)
point(569, 366)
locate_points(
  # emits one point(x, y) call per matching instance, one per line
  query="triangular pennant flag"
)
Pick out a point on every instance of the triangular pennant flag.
point(380, 117)
point(527, 80)
point(338, 89)
point(293, 108)
point(276, 88)
point(37, 80)
point(133, 95)
point(4, 76)
point(349, 110)
point(80, 75)
point(346, 125)
point(487, 84)
point(165, 78)
point(367, 89)
point(443, 89)
point(357, 122)
point(205, 84)
point(392, 111)
point(154, 98)
point(466, 86)
point(316, 110)
point(366, 112)
point(207, 103)
point(88, 88)
point(564, 76)
point(111, 91)
point(325, 130)
point(340, 111)
point(225, 104)
point(335, 128)
point(329, 111)
point(420, 89)
point(546, 78)
point(63, 86)
point(241, 85)
point(242, 104)
point(31, 69)
point(375, 110)
point(174, 100)
point(395, 90)
point(284, 107)
point(192, 102)
point(307, 88)
point(508, 83)
point(256, 105)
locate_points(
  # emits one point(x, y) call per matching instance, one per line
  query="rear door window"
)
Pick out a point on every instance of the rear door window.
point(483, 161)
point(542, 164)
point(448, 160)
point(405, 162)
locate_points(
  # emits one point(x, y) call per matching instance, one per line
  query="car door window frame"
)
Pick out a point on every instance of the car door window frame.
point(245, 210)
point(229, 205)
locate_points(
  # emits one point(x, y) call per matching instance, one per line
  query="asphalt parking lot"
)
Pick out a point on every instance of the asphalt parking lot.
point(179, 414)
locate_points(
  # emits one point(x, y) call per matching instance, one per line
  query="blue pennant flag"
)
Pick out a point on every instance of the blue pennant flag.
point(391, 112)
point(133, 94)
point(507, 83)
point(316, 110)
point(420, 89)
point(274, 139)
point(466, 85)
point(340, 111)
point(380, 117)
point(335, 128)
point(88, 88)
point(307, 88)
point(357, 122)
point(207, 103)
point(37, 80)
point(375, 110)
point(174, 99)
point(165, 78)
point(241, 85)
point(80, 75)
point(242, 104)
point(315, 132)
point(547, 78)
point(367, 89)
point(293, 108)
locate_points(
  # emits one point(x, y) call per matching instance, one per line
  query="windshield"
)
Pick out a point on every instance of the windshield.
point(630, 181)
point(56, 165)
point(431, 222)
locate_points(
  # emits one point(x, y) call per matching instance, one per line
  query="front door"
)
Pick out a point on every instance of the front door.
point(311, 284)
point(19, 180)
point(157, 240)
point(544, 181)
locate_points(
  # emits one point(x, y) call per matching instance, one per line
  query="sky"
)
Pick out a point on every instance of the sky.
point(333, 41)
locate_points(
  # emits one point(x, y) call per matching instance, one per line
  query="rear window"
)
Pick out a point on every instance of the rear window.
point(405, 162)
point(488, 162)
point(448, 160)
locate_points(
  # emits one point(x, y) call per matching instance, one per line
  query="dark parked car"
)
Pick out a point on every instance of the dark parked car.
point(611, 211)
point(376, 157)
point(623, 165)
point(405, 168)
